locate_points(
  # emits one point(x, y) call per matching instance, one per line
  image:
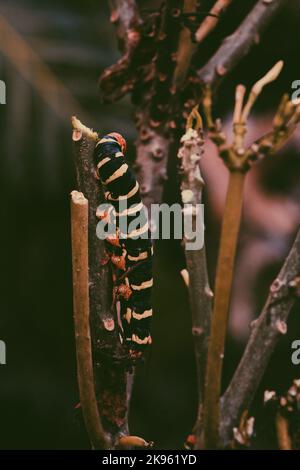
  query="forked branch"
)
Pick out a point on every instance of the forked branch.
point(238, 45)
point(238, 159)
point(266, 331)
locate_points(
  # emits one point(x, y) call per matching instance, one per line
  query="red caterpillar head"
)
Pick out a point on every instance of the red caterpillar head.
point(120, 139)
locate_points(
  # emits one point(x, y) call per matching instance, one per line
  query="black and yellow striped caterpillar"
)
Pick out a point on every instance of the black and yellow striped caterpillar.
point(130, 252)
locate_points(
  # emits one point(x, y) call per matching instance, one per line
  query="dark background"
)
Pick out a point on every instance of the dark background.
point(38, 389)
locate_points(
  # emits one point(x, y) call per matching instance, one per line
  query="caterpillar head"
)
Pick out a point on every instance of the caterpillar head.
point(120, 139)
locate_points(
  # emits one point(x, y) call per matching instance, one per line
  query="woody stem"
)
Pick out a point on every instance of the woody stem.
point(223, 283)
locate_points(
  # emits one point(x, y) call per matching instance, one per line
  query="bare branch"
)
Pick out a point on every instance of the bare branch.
point(120, 78)
point(199, 290)
point(237, 46)
point(257, 88)
point(239, 127)
point(125, 16)
point(223, 282)
point(186, 48)
point(167, 44)
point(284, 124)
point(237, 159)
point(153, 148)
point(241, 113)
point(266, 332)
point(210, 22)
point(79, 219)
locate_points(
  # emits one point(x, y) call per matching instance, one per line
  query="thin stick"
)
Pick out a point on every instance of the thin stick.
point(241, 114)
point(257, 88)
point(85, 376)
point(239, 128)
point(239, 98)
point(211, 22)
point(282, 431)
point(227, 250)
point(186, 48)
point(199, 290)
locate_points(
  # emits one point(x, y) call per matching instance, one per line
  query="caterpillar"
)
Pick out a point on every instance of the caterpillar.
point(130, 253)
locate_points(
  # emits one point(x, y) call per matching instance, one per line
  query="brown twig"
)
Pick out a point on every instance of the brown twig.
point(125, 16)
point(153, 148)
point(210, 22)
point(199, 290)
point(186, 49)
point(223, 282)
point(237, 46)
point(110, 373)
point(285, 122)
point(282, 431)
point(117, 80)
point(258, 87)
point(167, 44)
point(266, 332)
point(79, 223)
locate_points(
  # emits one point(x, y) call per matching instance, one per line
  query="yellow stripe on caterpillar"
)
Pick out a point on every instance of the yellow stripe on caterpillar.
point(138, 340)
point(117, 174)
point(128, 315)
point(137, 232)
point(140, 316)
point(141, 256)
point(131, 210)
point(105, 139)
point(131, 193)
point(144, 285)
point(102, 162)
